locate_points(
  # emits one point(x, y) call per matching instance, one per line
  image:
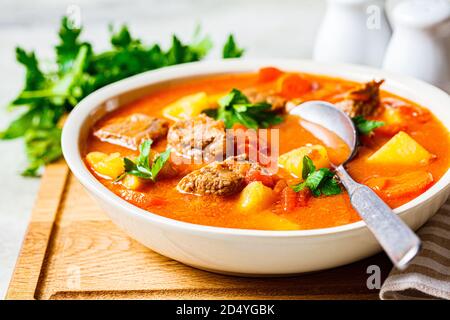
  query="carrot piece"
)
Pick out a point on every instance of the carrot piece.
point(404, 185)
point(294, 86)
point(269, 74)
point(377, 184)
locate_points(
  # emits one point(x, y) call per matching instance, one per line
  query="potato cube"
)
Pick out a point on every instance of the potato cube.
point(187, 107)
point(401, 149)
point(94, 157)
point(292, 161)
point(109, 166)
point(256, 197)
point(132, 182)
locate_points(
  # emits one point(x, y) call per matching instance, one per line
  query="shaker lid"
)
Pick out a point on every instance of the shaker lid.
point(421, 13)
point(357, 2)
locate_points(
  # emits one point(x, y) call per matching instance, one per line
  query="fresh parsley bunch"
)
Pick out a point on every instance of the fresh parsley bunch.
point(320, 181)
point(47, 96)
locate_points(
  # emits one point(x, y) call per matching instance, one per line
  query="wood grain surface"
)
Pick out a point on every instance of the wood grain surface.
point(73, 251)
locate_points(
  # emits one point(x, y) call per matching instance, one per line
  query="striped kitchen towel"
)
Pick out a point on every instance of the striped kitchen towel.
point(428, 275)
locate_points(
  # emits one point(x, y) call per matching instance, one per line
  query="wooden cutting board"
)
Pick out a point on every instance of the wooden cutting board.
point(73, 251)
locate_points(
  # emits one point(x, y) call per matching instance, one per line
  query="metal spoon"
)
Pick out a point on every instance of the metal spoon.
point(399, 242)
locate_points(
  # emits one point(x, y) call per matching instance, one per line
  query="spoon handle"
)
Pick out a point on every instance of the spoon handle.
point(399, 242)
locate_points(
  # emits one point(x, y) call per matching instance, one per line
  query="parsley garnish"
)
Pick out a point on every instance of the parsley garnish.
point(366, 126)
point(236, 108)
point(231, 50)
point(143, 167)
point(318, 181)
point(78, 71)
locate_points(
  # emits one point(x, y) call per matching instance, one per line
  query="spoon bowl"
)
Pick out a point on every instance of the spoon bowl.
point(328, 116)
point(399, 242)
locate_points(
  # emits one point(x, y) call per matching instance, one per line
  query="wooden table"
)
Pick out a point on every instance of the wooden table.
point(73, 251)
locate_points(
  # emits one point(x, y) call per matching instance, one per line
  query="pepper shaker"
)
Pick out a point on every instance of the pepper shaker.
point(353, 31)
point(418, 44)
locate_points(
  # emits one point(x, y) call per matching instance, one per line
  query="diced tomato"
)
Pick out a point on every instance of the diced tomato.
point(408, 111)
point(303, 197)
point(269, 74)
point(288, 199)
point(389, 130)
point(237, 126)
point(294, 86)
point(257, 175)
point(279, 186)
point(291, 199)
point(416, 113)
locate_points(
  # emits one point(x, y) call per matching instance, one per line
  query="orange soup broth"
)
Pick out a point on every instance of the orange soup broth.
point(163, 199)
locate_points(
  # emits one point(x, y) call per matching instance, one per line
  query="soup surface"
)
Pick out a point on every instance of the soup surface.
point(404, 150)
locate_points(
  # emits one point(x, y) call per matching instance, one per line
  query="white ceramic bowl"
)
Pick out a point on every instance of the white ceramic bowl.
point(237, 251)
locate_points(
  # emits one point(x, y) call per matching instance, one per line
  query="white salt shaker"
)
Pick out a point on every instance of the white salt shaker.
point(353, 31)
point(418, 44)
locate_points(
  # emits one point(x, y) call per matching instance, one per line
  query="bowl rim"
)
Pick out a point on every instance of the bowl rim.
point(71, 132)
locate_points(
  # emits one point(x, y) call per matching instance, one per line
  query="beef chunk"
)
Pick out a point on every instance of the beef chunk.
point(218, 178)
point(362, 101)
point(201, 138)
point(212, 180)
point(269, 96)
point(129, 131)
